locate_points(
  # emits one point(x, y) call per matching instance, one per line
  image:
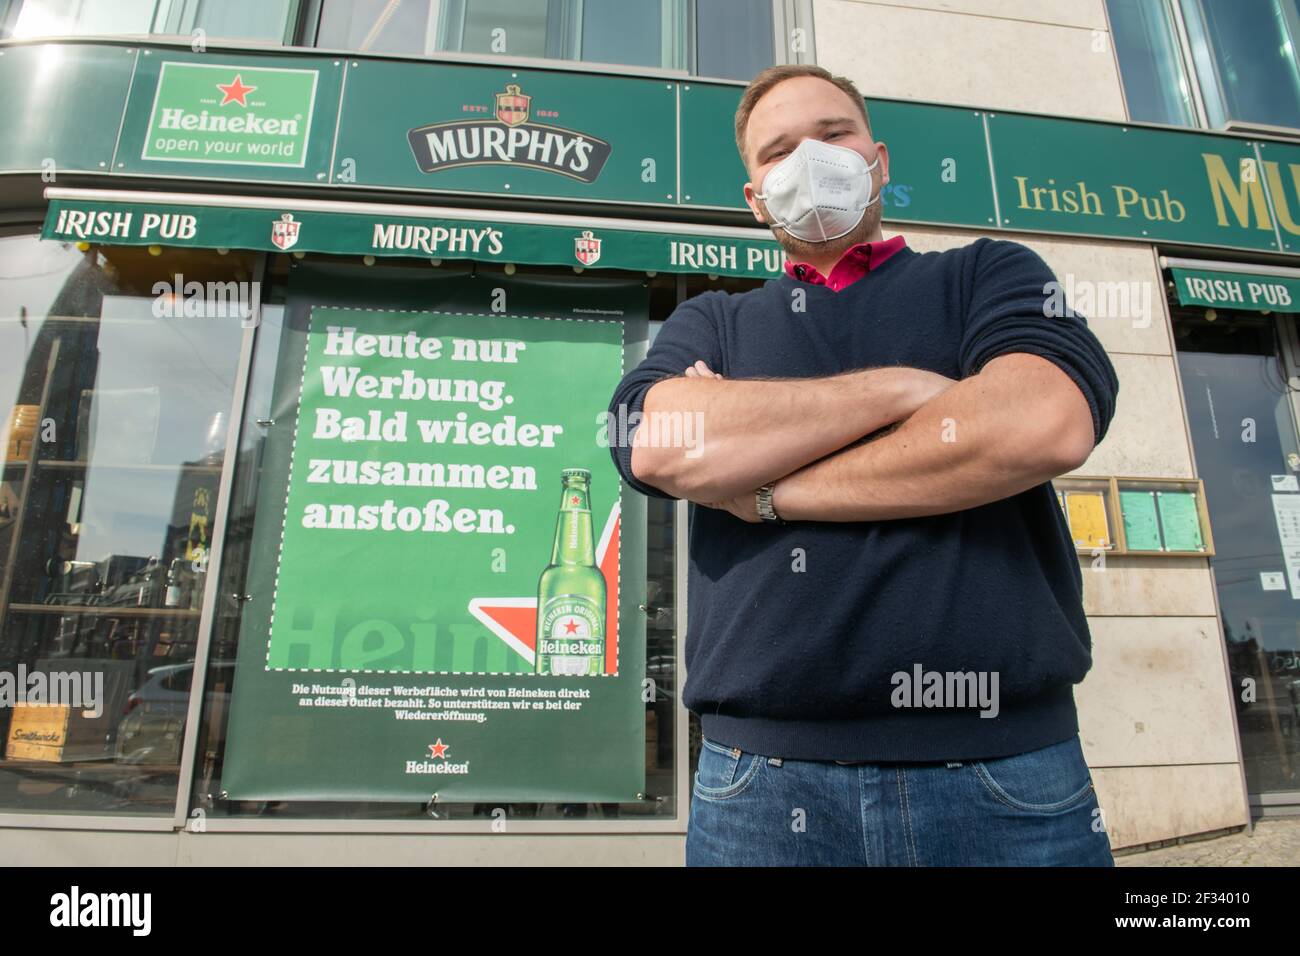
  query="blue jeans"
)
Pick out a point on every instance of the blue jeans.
point(1032, 809)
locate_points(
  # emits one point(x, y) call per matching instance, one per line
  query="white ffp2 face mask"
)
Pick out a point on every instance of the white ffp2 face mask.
point(820, 191)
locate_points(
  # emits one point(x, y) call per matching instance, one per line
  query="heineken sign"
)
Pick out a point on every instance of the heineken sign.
point(509, 136)
point(443, 616)
point(210, 113)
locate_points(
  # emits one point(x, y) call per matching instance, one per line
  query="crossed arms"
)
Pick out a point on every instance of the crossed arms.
point(1017, 423)
point(1036, 393)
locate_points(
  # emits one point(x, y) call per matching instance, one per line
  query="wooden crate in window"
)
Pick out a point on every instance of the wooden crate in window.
point(54, 733)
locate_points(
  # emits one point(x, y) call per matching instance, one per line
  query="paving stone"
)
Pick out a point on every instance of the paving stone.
point(1274, 842)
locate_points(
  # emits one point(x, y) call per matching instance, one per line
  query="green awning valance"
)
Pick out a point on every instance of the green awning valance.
point(380, 230)
point(1247, 291)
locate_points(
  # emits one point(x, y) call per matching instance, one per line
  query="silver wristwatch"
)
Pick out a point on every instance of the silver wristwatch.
point(763, 500)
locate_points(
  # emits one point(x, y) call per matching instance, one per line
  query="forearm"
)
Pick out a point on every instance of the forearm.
point(710, 438)
point(987, 438)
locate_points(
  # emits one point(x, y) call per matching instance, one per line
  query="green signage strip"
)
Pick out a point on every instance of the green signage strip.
point(938, 160)
point(1281, 174)
point(938, 164)
point(445, 609)
point(60, 106)
point(1248, 292)
point(1098, 179)
point(573, 135)
point(305, 230)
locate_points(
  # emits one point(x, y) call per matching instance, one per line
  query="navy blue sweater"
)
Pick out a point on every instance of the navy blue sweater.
point(805, 664)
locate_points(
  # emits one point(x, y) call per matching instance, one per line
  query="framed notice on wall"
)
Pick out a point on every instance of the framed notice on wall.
point(1086, 504)
point(1147, 516)
point(1163, 516)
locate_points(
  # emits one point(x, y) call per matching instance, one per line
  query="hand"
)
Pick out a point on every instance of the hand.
point(700, 370)
point(744, 507)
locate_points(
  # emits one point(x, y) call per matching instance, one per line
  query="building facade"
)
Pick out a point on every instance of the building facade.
point(308, 611)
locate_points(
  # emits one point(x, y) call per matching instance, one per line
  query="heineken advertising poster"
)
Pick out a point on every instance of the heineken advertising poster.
point(443, 615)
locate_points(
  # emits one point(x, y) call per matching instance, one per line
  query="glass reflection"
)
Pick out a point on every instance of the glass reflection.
point(116, 417)
point(1244, 435)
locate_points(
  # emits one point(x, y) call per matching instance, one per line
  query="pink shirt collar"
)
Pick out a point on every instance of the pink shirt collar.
point(856, 262)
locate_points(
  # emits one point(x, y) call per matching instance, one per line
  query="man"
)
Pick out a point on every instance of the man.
point(885, 602)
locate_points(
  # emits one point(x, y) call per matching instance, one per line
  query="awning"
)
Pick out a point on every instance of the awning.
point(379, 229)
point(1245, 290)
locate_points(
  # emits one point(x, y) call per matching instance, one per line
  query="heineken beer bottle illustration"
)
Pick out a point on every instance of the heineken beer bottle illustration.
point(571, 591)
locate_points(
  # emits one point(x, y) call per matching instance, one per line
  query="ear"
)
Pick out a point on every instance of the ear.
point(882, 151)
point(752, 203)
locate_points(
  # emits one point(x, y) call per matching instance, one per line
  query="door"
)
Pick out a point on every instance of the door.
point(1236, 369)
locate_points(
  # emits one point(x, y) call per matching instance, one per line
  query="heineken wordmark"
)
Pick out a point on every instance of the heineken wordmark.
point(571, 591)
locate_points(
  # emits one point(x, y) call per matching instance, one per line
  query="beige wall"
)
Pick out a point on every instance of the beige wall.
point(1040, 56)
point(1155, 712)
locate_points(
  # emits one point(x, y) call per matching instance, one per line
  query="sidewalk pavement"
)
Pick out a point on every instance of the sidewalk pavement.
point(1275, 842)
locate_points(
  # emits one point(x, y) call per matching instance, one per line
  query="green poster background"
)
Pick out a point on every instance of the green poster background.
point(367, 625)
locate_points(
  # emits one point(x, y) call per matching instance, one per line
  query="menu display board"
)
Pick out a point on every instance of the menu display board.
point(1141, 524)
point(1179, 521)
point(1086, 513)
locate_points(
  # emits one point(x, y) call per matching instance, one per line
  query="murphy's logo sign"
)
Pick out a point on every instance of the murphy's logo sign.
point(232, 115)
point(509, 137)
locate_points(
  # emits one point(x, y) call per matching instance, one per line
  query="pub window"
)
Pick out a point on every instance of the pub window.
point(1156, 86)
point(1245, 56)
point(732, 39)
point(257, 21)
point(115, 390)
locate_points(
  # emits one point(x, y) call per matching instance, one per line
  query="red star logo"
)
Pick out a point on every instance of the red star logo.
point(574, 500)
point(439, 750)
point(571, 627)
point(235, 91)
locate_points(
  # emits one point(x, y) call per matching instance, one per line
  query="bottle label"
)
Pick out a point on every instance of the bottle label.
point(572, 635)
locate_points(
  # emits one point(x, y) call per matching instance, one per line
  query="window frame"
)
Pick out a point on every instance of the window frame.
point(9, 10)
point(159, 822)
point(1192, 72)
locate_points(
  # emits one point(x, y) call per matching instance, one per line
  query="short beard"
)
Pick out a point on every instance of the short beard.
point(801, 250)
